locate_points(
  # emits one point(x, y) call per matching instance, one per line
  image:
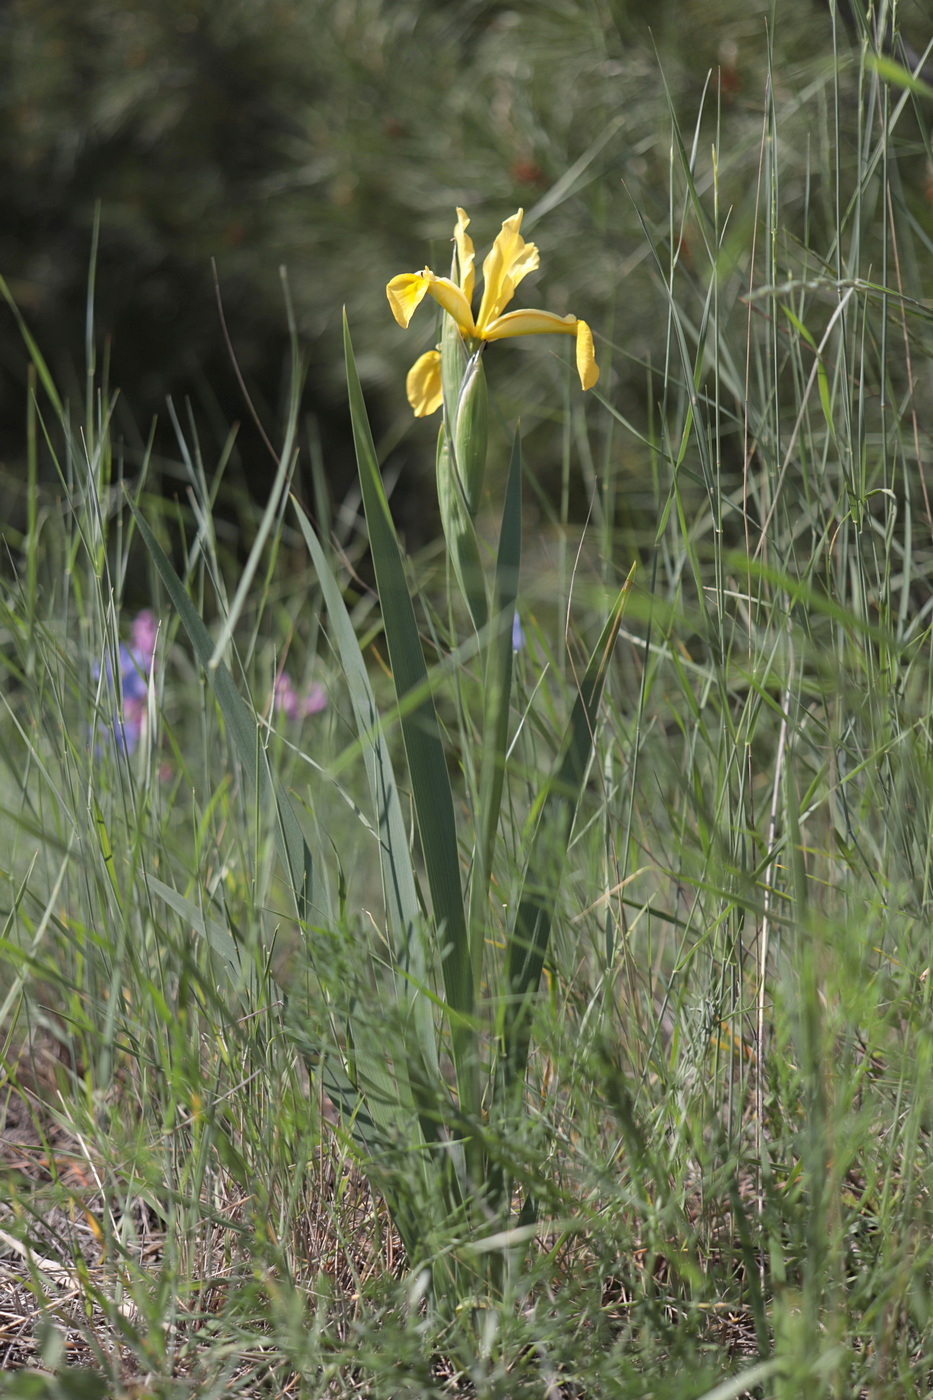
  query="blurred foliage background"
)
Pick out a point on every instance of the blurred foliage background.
point(333, 138)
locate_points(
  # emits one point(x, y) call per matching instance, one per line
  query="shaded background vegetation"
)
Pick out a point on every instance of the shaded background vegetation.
point(334, 138)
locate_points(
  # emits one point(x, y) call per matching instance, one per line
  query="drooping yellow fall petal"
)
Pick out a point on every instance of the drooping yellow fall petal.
point(466, 255)
point(423, 385)
point(546, 323)
point(587, 368)
point(509, 260)
point(406, 293)
point(529, 322)
point(448, 295)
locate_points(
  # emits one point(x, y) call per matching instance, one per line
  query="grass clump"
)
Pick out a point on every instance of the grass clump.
point(652, 1117)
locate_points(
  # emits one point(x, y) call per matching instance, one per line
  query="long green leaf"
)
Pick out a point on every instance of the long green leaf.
point(427, 764)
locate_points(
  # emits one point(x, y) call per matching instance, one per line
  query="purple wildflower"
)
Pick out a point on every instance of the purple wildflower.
point(518, 633)
point(135, 663)
point(292, 703)
point(143, 631)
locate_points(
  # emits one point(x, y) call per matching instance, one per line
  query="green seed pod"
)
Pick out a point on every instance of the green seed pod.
point(471, 432)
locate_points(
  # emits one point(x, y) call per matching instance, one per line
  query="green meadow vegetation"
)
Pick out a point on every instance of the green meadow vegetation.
point(499, 965)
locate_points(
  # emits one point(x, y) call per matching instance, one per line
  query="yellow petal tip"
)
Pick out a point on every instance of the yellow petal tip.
point(405, 294)
point(587, 368)
point(423, 385)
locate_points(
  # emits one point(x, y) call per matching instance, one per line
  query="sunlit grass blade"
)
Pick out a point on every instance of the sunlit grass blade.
point(427, 763)
point(242, 726)
point(890, 71)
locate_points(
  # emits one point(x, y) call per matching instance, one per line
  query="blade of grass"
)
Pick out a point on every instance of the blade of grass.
point(284, 470)
point(35, 353)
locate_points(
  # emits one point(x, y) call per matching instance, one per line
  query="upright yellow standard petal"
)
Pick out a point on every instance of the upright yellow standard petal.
point(587, 368)
point(466, 255)
point(406, 293)
point(510, 260)
point(423, 384)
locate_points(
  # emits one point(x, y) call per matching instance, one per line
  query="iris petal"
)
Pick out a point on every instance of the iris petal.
point(587, 368)
point(510, 259)
point(530, 323)
point(423, 384)
point(466, 254)
point(546, 323)
point(448, 295)
point(406, 293)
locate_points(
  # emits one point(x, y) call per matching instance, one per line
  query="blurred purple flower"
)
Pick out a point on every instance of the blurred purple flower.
point(518, 633)
point(143, 631)
point(292, 703)
point(135, 663)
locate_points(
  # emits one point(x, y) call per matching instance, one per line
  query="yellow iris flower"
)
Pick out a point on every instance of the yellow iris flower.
point(510, 260)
